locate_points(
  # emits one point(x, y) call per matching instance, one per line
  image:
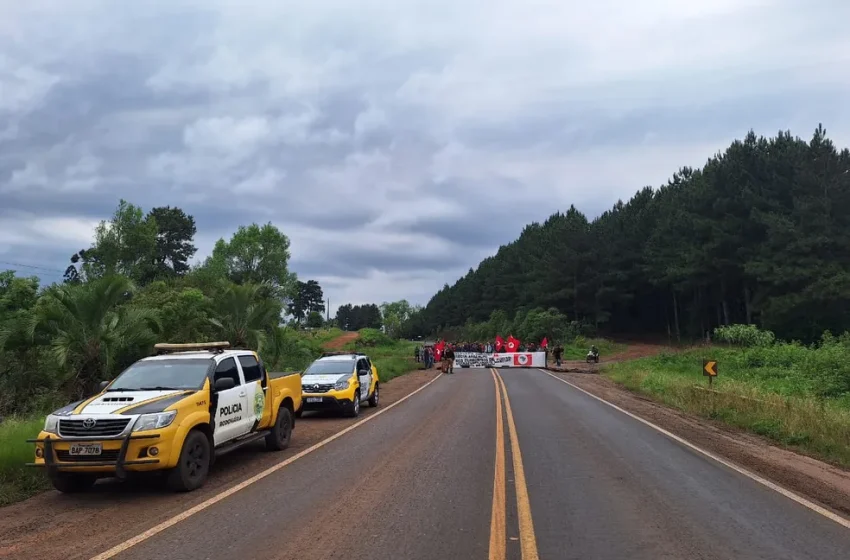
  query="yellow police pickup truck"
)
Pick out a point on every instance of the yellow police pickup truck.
point(340, 381)
point(172, 412)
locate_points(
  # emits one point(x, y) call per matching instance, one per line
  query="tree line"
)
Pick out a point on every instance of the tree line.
point(759, 235)
point(134, 286)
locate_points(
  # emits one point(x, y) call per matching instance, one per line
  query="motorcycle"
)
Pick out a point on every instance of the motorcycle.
point(592, 357)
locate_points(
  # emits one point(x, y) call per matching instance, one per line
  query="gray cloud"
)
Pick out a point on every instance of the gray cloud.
point(395, 146)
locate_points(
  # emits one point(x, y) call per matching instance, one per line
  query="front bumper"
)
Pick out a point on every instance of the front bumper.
point(328, 402)
point(120, 455)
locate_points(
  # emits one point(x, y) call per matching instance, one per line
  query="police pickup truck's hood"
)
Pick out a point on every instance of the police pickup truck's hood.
point(323, 378)
point(112, 401)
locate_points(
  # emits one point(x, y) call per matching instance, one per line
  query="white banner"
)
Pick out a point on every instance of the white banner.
point(508, 359)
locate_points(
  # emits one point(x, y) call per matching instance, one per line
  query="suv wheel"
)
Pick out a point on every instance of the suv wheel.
point(354, 407)
point(278, 438)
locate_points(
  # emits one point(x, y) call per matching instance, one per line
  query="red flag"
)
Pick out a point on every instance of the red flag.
point(544, 343)
point(499, 343)
point(513, 344)
point(438, 350)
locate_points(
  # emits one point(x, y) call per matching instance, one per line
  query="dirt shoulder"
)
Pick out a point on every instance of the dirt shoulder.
point(79, 526)
point(339, 342)
point(816, 480)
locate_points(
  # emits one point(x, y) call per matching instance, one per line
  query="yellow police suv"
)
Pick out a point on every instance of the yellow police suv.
point(172, 412)
point(340, 381)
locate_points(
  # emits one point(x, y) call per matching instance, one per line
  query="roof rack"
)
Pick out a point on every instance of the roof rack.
point(214, 347)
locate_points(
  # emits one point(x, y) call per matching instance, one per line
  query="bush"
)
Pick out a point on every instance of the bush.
point(744, 335)
point(373, 337)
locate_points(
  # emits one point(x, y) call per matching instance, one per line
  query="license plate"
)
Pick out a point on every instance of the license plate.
point(314, 399)
point(86, 449)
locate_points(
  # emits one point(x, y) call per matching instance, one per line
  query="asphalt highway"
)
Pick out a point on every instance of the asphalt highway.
point(460, 471)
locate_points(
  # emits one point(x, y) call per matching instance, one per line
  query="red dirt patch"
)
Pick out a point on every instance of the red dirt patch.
point(339, 342)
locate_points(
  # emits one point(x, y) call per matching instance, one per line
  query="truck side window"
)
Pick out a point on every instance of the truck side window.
point(227, 368)
point(361, 365)
point(250, 368)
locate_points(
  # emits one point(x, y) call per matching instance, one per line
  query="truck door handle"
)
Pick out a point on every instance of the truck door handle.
point(242, 394)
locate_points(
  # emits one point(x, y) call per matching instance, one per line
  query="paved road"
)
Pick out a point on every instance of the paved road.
point(561, 476)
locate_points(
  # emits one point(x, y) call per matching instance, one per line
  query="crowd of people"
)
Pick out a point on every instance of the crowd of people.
point(427, 354)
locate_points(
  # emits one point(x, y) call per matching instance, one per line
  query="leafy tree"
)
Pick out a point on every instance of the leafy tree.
point(308, 299)
point(88, 327)
point(175, 231)
point(394, 315)
point(354, 318)
point(315, 320)
point(244, 316)
point(257, 255)
point(760, 234)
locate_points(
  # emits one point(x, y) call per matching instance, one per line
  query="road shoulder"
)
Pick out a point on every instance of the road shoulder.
point(818, 481)
point(50, 520)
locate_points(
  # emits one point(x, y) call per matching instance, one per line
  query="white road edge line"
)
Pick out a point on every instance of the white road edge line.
point(117, 549)
point(844, 522)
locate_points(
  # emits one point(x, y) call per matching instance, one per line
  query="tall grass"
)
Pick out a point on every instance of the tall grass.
point(17, 481)
point(789, 393)
point(393, 358)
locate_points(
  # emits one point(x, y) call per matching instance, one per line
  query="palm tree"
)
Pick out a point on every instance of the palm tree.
point(245, 316)
point(89, 326)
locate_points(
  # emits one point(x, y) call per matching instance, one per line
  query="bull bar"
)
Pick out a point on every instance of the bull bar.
point(53, 465)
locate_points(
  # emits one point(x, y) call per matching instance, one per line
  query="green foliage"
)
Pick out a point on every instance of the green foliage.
point(794, 394)
point(529, 326)
point(17, 481)
point(759, 235)
point(744, 335)
point(255, 254)
point(308, 299)
point(372, 337)
point(354, 318)
point(315, 320)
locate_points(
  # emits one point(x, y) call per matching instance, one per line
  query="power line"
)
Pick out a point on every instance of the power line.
point(33, 266)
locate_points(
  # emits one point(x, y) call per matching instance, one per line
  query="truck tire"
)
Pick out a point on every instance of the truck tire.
point(194, 465)
point(373, 400)
point(72, 483)
point(353, 410)
point(278, 438)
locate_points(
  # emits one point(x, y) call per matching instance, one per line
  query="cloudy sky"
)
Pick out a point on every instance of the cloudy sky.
point(396, 143)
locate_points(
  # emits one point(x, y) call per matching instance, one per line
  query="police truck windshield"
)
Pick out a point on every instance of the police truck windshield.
point(330, 367)
point(163, 374)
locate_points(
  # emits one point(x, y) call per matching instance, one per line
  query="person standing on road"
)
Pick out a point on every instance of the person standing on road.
point(449, 360)
point(558, 352)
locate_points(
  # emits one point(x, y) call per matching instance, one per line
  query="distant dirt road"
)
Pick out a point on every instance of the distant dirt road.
point(339, 342)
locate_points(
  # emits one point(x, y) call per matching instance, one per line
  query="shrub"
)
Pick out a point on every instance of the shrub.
point(744, 335)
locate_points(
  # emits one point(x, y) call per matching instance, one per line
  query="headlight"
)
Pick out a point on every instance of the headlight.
point(341, 385)
point(51, 424)
point(154, 421)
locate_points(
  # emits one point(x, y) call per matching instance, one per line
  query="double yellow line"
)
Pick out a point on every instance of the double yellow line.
point(498, 528)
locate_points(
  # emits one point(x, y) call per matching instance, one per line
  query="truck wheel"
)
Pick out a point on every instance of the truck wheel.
point(373, 400)
point(194, 466)
point(72, 483)
point(354, 408)
point(278, 438)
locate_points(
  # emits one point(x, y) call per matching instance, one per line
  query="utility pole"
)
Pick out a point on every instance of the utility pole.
point(328, 311)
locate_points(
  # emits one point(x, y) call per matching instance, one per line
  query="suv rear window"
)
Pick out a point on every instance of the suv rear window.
point(330, 367)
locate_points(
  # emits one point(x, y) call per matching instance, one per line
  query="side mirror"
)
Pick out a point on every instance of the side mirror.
point(102, 385)
point(224, 383)
point(363, 372)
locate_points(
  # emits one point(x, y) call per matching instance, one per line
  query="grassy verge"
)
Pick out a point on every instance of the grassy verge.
point(771, 391)
point(577, 350)
point(392, 357)
point(18, 482)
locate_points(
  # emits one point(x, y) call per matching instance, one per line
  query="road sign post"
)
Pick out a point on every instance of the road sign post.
point(709, 369)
